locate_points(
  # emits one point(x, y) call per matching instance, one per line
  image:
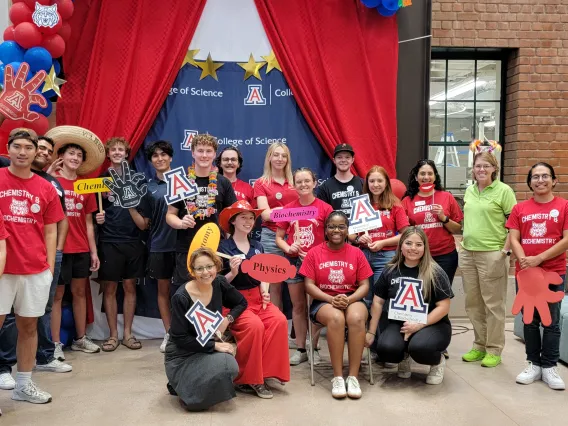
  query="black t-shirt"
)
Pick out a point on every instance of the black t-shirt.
point(242, 281)
point(387, 285)
point(224, 198)
point(337, 193)
point(4, 162)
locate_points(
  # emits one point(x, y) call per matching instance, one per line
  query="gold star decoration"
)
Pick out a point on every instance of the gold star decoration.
point(52, 82)
point(190, 58)
point(252, 68)
point(272, 62)
point(209, 68)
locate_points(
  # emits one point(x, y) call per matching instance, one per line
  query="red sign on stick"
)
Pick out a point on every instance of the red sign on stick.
point(269, 268)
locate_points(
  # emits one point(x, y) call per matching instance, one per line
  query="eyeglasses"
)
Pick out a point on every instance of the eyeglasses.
point(483, 166)
point(201, 269)
point(230, 160)
point(334, 227)
point(536, 178)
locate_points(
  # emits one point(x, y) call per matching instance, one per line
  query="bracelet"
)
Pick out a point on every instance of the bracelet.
point(371, 333)
point(447, 220)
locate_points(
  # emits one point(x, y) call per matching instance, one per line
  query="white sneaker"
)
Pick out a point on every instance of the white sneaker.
point(338, 387)
point(298, 358)
point(530, 374)
point(292, 343)
point(7, 382)
point(551, 377)
point(404, 371)
point(164, 343)
point(86, 345)
point(436, 374)
point(317, 357)
point(353, 388)
point(54, 366)
point(31, 393)
point(58, 353)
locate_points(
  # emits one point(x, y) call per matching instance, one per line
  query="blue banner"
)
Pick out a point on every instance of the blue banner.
point(249, 114)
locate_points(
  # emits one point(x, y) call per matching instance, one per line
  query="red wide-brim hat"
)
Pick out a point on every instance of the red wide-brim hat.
point(234, 209)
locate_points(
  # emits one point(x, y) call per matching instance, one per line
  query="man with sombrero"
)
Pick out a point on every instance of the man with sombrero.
point(80, 152)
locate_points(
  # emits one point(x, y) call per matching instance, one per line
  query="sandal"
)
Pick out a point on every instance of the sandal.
point(132, 343)
point(110, 344)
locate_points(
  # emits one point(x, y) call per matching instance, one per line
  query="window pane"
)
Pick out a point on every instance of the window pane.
point(488, 80)
point(436, 122)
point(487, 119)
point(460, 82)
point(460, 122)
point(456, 168)
point(437, 78)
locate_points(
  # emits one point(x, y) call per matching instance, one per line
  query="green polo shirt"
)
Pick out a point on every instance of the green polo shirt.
point(484, 216)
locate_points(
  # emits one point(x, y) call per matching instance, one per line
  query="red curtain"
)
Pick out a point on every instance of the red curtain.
point(341, 61)
point(121, 61)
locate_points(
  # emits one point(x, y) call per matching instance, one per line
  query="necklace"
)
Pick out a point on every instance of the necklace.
point(202, 206)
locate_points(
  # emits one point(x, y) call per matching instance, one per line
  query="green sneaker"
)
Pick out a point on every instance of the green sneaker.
point(491, 360)
point(473, 356)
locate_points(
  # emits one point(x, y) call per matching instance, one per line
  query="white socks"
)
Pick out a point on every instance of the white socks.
point(22, 379)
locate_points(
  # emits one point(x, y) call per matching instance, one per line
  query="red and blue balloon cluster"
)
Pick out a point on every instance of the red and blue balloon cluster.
point(386, 7)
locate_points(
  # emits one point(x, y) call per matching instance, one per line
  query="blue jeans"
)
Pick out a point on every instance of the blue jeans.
point(544, 351)
point(377, 260)
point(9, 332)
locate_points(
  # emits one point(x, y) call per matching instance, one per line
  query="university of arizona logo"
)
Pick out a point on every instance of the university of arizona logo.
point(305, 235)
point(188, 137)
point(408, 305)
point(336, 276)
point(206, 322)
point(429, 218)
point(538, 230)
point(363, 216)
point(45, 16)
point(19, 208)
point(16, 100)
point(254, 96)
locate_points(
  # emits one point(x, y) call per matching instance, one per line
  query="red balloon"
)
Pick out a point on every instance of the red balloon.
point(65, 31)
point(40, 126)
point(55, 29)
point(31, 3)
point(19, 13)
point(9, 125)
point(398, 188)
point(27, 35)
point(9, 33)
point(54, 44)
point(65, 8)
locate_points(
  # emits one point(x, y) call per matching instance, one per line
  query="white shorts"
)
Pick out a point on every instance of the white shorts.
point(27, 293)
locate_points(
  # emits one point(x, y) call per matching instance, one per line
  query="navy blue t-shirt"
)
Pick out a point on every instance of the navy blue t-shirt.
point(242, 281)
point(162, 236)
point(4, 162)
point(119, 227)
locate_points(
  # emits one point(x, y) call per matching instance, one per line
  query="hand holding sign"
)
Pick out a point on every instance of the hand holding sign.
point(19, 95)
point(127, 188)
point(409, 306)
point(534, 292)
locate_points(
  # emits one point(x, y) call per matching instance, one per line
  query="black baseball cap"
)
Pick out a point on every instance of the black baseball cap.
point(343, 147)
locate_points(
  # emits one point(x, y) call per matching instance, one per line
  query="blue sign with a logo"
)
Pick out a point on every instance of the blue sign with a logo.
point(249, 114)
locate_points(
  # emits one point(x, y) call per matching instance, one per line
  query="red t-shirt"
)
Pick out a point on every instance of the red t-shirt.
point(311, 232)
point(3, 233)
point(78, 206)
point(244, 191)
point(27, 206)
point(420, 214)
point(394, 220)
point(541, 226)
point(276, 194)
point(336, 271)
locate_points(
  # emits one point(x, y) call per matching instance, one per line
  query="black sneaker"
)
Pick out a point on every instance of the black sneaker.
point(262, 391)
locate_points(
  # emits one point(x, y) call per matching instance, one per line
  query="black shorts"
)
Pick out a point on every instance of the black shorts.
point(181, 274)
point(161, 265)
point(121, 261)
point(74, 265)
point(317, 305)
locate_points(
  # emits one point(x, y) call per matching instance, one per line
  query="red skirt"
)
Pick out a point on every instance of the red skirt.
point(262, 341)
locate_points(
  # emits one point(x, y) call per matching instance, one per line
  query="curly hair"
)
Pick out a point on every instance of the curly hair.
point(414, 186)
point(115, 141)
point(204, 139)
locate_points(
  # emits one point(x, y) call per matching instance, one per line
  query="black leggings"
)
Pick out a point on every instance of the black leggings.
point(425, 346)
point(449, 263)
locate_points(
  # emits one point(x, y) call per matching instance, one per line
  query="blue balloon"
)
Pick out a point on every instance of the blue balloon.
point(371, 3)
point(390, 5)
point(57, 66)
point(45, 111)
point(39, 59)
point(15, 67)
point(10, 51)
point(2, 66)
point(386, 12)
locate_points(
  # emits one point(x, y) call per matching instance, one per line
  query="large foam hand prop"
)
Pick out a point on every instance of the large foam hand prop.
point(18, 94)
point(127, 188)
point(534, 293)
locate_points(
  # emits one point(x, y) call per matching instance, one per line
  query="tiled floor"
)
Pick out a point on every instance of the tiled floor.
point(128, 388)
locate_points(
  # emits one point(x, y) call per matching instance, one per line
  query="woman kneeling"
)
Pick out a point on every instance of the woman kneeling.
point(202, 375)
point(401, 341)
point(337, 278)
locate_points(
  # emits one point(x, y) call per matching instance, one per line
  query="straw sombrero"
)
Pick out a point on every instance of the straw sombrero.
point(64, 135)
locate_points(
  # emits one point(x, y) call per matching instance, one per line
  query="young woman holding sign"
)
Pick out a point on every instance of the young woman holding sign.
point(302, 235)
point(337, 277)
point(402, 340)
point(379, 244)
point(202, 375)
point(262, 330)
point(436, 211)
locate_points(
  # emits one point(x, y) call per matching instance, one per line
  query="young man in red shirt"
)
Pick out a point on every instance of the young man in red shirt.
point(31, 210)
point(538, 231)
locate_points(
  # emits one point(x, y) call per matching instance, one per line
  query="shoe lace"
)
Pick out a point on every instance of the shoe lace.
point(352, 382)
point(553, 371)
point(260, 388)
point(337, 383)
point(31, 389)
point(529, 368)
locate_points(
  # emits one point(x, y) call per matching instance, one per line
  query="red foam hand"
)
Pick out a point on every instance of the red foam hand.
point(18, 95)
point(535, 293)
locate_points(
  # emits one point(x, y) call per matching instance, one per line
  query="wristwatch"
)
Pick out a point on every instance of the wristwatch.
point(230, 318)
point(357, 239)
point(447, 220)
point(507, 252)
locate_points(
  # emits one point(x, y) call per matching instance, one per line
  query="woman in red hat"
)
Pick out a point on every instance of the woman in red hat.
point(262, 330)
